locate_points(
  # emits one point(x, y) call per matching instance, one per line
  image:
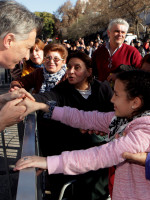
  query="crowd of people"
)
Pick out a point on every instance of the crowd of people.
point(89, 46)
point(92, 104)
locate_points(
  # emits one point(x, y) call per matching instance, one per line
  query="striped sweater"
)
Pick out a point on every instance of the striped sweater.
point(130, 182)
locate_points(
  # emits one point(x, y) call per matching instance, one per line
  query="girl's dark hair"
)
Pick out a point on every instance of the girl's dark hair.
point(84, 57)
point(137, 84)
point(146, 59)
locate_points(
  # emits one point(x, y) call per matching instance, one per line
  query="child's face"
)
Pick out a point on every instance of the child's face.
point(122, 105)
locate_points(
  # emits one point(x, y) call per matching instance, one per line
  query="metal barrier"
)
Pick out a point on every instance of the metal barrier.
point(28, 182)
point(30, 186)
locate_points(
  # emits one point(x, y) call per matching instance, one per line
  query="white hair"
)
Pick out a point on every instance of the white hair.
point(118, 21)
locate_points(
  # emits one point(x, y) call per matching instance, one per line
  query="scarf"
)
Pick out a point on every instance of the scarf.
point(50, 80)
point(35, 65)
point(118, 124)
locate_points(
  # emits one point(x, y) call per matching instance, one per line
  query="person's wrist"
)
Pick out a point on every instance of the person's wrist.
point(51, 107)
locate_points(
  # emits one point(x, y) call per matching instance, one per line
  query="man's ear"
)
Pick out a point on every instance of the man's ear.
point(8, 40)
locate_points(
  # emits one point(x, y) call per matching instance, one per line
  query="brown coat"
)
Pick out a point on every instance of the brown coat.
point(32, 80)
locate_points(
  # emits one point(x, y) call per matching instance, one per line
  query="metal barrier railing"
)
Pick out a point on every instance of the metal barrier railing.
point(29, 185)
point(27, 188)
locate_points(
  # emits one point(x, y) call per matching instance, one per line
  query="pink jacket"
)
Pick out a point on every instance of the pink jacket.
point(130, 182)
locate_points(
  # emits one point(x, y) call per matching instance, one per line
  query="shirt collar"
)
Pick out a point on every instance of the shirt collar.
point(108, 48)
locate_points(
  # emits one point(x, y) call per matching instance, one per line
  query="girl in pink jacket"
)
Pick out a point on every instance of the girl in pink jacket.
point(131, 101)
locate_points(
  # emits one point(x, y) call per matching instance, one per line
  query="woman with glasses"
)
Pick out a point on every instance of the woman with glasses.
point(52, 72)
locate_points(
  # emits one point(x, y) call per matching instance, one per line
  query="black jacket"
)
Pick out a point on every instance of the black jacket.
point(61, 137)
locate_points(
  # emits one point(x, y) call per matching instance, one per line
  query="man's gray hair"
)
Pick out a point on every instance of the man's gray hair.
point(17, 19)
point(118, 21)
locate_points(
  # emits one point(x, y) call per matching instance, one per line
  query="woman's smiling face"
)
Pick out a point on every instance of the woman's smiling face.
point(53, 62)
point(37, 55)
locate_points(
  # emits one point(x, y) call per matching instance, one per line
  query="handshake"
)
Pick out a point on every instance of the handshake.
point(12, 109)
point(16, 104)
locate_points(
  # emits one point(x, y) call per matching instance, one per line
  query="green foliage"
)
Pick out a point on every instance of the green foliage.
point(48, 28)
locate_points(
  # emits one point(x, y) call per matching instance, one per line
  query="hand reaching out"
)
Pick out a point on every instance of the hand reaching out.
point(32, 106)
point(31, 161)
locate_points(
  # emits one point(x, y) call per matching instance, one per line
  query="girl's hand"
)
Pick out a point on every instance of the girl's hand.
point(31, 161)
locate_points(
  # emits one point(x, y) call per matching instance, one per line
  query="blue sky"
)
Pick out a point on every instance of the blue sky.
point(43, 5)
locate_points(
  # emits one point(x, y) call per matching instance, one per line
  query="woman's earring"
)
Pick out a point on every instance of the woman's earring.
point(132, 107)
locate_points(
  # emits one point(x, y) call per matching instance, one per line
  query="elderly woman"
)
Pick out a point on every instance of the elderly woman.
point(45, 78)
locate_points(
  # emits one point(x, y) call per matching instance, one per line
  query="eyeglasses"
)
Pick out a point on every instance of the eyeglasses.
point(55, 59)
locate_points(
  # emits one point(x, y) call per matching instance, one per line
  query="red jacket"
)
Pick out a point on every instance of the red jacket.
point(126, 55)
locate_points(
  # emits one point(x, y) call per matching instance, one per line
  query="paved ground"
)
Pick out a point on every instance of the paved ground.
point(13, 144)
